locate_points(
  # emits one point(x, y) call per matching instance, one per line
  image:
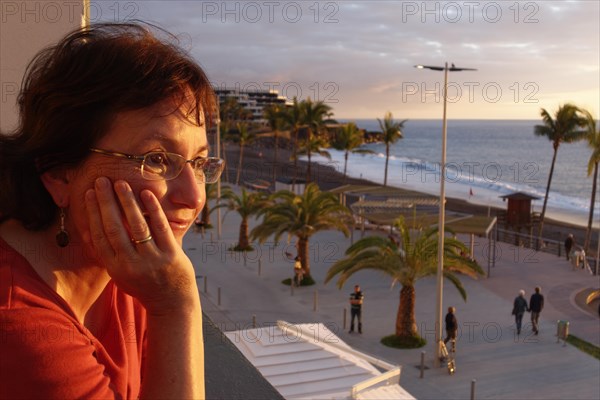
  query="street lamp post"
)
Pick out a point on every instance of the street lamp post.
point(218, 149)
point(442, 213)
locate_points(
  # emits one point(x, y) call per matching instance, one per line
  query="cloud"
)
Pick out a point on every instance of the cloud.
point(361, 54)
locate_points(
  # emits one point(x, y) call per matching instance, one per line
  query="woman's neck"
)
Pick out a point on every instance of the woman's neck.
point(70, 271)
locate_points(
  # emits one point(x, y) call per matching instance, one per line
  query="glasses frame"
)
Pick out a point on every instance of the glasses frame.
point(142, 158)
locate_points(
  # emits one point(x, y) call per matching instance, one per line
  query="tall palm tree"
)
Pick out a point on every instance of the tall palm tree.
point(564, 127)
point(349, 139)
point(244, 138)
point(274, 116)
point(314, 145)
point(313, 115)
point(302, 216)
point(293, 118)
point(391, 131)
point(593, 138)
point(246, 205)
point(211, 194)
point(415, 257)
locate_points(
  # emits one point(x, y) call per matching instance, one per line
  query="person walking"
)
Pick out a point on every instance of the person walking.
point(356, 301)
point(451, 327)
point(519, 308)
point(569, 243)
point(536, 303)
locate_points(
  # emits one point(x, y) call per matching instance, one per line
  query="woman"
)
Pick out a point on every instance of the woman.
point(101, 180)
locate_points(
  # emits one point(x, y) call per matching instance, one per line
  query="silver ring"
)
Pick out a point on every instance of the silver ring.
point(144, 240)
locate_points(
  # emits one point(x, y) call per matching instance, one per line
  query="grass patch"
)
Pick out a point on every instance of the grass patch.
point(306, 281)
point(403, 342)
point(584, 346)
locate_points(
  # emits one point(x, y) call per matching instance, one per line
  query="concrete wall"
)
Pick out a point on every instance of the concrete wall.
point(26, 27)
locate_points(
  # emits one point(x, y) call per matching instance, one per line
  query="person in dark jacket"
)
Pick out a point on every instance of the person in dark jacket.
point(451, 327)
point(569, 243)
point(519, 308)
point(536, 303)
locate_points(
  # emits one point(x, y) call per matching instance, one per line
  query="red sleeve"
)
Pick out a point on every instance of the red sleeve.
point(44, 355)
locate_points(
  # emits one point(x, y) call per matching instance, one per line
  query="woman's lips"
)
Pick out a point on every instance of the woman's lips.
point(179, 225)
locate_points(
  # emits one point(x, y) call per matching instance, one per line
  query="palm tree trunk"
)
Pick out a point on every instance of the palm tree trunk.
point(302, 247)
point(295, 152)
point(239, 170)
point(588, 233)
point(406, 324)
point(205, 216)
point(345, 165)
point(308, 145)
point(243, 241)
point(225, 160)
point(387, 159)
point(543, 214)
point(275, 159)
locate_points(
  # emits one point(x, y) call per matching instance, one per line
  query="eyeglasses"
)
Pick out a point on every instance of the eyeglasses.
point(159, 165)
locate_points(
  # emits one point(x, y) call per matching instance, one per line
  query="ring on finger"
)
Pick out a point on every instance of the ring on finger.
point(144, 240)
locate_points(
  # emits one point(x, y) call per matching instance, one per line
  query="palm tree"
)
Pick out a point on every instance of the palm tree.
point(293, 117)
point(274, 116)
point(349, 139)
point(244, 138)
point(302, 216)
point(315, 144)
point(593, 138)
point(564, 127)
point(414, 258)
point(312, 117)
point(247, 204)
point(391, 131)
point(211, 194)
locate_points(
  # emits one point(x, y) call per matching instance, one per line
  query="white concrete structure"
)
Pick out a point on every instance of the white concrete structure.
point(308, 361)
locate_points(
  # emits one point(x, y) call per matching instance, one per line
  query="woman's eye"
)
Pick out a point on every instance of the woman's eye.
point(156, 159)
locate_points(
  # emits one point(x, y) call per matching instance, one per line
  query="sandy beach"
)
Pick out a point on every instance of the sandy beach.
point(258, 164)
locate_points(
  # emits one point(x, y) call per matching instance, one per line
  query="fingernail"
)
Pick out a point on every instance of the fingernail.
point(102, 183)
point(121, 187)
point(90, 195)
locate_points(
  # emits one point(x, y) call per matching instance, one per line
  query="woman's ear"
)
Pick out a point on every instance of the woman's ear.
point(57, 184)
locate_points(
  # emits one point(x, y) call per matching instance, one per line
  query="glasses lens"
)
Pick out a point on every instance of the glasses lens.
point(162, 165)
point(208, 170)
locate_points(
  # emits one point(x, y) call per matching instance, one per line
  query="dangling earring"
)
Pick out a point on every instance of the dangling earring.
point(62, 236)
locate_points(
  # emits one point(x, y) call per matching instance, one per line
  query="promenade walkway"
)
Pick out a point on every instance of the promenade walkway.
point(503, 365)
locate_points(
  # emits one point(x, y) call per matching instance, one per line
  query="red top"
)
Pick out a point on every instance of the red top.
point(46, 353)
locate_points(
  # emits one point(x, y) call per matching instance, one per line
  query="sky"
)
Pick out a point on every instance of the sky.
point(359, 56)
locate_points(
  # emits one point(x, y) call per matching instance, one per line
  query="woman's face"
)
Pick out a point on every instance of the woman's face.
point(156, 128)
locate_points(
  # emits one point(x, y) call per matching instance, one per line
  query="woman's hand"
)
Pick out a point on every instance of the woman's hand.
point(156, 272)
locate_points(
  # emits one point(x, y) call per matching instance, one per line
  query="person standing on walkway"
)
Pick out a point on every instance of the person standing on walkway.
point(356, 300)
point(519, 308)
point(569, 243)
point(451, 327)
point(536, 303)
point(298, 272)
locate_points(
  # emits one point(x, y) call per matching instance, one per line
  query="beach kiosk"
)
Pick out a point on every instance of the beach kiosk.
point(519, 216)
point(518, 213)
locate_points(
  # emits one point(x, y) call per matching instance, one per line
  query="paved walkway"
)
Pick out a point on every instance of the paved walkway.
point(237, 291)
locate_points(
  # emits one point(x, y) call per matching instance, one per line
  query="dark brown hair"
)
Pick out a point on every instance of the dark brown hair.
point(70, 94)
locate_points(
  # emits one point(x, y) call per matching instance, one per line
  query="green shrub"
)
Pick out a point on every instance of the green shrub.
point(403, 342)
point(306, 281)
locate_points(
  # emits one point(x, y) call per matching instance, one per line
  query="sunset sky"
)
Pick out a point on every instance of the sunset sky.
point(359, 56)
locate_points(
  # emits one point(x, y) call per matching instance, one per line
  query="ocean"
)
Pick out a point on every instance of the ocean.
point(485, 159)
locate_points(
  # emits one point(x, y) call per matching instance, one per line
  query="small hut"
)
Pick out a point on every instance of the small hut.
point(518, 213)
